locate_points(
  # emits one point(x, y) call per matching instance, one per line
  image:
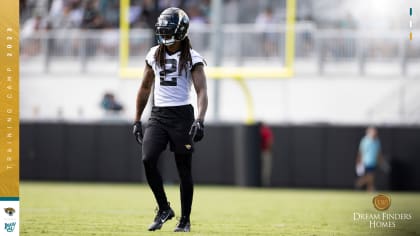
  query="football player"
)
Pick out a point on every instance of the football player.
point(171, 68)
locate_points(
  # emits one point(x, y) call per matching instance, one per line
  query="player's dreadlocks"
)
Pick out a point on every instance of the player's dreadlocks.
point(184, 59)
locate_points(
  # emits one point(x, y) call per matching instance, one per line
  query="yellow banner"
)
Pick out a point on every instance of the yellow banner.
point(9, 98)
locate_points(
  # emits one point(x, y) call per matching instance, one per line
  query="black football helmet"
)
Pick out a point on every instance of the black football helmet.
point(172, 25)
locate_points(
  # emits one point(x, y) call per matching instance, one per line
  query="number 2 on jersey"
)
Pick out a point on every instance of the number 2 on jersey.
point(171, 81)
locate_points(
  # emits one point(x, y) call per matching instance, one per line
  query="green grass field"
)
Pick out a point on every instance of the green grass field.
point(58, 209)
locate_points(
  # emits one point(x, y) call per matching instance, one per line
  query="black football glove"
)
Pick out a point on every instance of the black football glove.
point(137, 131)
point(197, 130)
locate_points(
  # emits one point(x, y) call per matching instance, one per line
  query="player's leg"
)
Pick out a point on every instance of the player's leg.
point(266, 168)
point(370, 185)
point(369, 178)
point(361, 181)
point(183, 164)
point(181, 144)
point(154, 142)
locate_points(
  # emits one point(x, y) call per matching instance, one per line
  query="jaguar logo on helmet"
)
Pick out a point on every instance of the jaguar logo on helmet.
point(172, 25)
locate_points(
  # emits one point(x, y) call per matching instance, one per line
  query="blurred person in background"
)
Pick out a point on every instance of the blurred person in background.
point(92, 18)
point(149, 14)
point(29, 34)
point(163, 4)
point(25, 9)
point(70, 17)
point(135, 14)
point(231, 11)
point(196, 15)
point(264, 22)
point(197, 22)
point(368, 158)
point(266, 153)
point(110, 11)
point(110, 104)
point(108, 44)
point(56, 8)
point(143, 15)
point(171, 68)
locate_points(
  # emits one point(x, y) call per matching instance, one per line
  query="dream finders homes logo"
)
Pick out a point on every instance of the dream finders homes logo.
point(382, 220)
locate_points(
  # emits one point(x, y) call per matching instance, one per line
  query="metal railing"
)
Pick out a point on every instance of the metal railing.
point(242, 45)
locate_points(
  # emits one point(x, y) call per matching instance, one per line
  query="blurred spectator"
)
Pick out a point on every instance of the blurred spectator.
point(56, 8)
point(31, 43)
point(265, 18)
point(32, 25)
point(143, 14)
point(367, 159)
point(109, 42)
point(92, 20)
point(135, 12)
point(196, 15)
point(264, 22)
point(341, 48)
point(266, 153)
point(205, 8)
point(50, 41)
point(163, 4)
point(110, 104)
point(70, 17)
point(149, 14)
point(91, 16)
point(197, 22)
point(231, 11)
point(110, 12)
point(24, 10)
point(304, 10)
point(348, 22)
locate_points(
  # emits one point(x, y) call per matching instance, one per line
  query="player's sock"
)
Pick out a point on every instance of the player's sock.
point(183, 163)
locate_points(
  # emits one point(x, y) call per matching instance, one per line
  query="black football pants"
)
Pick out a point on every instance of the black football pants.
point(156, 137)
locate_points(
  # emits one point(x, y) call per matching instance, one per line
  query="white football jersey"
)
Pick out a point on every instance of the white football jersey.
point(172, 88)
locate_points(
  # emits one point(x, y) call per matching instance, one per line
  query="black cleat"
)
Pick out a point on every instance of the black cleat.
point(184, 225)
point(160, 218)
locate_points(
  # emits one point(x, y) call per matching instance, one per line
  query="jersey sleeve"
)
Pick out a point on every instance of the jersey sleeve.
point(197, 59)
point(150, 57)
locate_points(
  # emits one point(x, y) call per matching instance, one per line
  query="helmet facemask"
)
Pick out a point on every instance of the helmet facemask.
point(165, 34)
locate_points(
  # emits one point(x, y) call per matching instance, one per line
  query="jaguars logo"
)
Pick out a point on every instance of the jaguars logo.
point(10, 211)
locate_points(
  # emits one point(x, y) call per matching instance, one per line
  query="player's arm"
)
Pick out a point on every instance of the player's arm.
point(200, 85)
point(144, 91)
point(359, 154)
point(141, 102)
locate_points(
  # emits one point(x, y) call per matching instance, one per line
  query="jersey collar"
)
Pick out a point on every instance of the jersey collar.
point(172, 53)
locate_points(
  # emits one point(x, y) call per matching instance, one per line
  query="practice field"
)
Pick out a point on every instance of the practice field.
point(58, 209)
